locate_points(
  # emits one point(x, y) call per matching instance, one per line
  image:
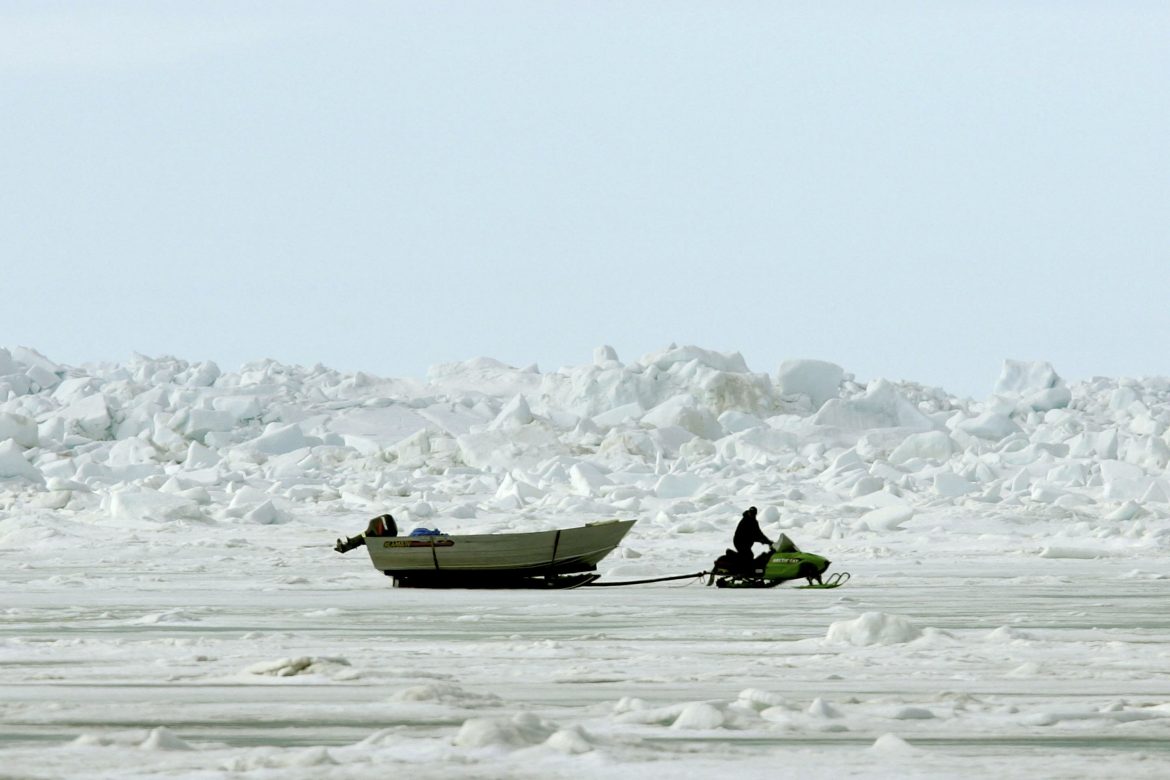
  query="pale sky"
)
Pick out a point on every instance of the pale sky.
point(911, 190)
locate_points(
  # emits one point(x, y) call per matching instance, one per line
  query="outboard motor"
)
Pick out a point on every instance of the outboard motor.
point(382, 525)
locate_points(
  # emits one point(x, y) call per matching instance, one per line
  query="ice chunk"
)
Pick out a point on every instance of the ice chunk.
point(605, 356)
point(1123, 489)
point(446, 693)
point(333, 666)
point(721, 361)
point(1007, 634)
point(950, 485)
point(629, 704)
point(14, 385)
point(733, 422)
point(89, 416)
point(847, 461)
point(199, 456)
point(889, 518)
point(698, 715)
point(278, 439)
point(57, 483)
point(146, 504)
point(684, 412)
point(42, 378)
point(572, 740)
point(522, 729)
point(462, 511)
point(818, 380)
point(1113, 470)
point(912, 713)
point(1035, 385)
point(1046, 400)
point(26, 356)
point(413, 451)
point(517, 489)
point(13, 464)
point(721, 391)
point(1046, 494)
point(247, 497)
point(1067, 475)
point(1020, 377)
point(892, 744)
point(265, 514)
point(242, 407)
point(1127, 511)
point(1106, 443)
point(284, 758)
point(163, 738)
point(679, 485)
point(989, 425)
point(202, 421)
point(823, 709)
point(204, 374)
point(882, 406)
point(1154, 493)
point(929, 445)
point(866, 486)
point(282, 667)
point(131, 452)
point(18, 428)
point(761, 699)
point(873, 628)
point(515, 414)
point(586, 479)
point(618, 415)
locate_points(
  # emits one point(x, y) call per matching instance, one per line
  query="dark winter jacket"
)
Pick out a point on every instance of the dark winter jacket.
point(748, 533)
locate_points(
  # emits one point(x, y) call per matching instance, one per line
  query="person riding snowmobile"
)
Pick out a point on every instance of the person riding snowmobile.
point(748, 533)
point(738, 568)
point(740, 560)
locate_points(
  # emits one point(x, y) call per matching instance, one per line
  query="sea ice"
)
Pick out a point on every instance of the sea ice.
point(165, 551)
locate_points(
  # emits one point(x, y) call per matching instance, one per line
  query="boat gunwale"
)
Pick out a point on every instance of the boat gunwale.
point(456, 537)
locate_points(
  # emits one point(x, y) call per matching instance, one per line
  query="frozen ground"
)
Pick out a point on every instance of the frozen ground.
point(170, 605)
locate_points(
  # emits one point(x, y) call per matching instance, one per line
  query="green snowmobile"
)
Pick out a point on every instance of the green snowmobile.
point(784, 562)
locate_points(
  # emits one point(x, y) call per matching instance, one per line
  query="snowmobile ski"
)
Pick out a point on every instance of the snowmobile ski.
point(834, 580)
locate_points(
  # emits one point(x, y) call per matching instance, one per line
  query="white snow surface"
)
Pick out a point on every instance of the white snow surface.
point(170, 605)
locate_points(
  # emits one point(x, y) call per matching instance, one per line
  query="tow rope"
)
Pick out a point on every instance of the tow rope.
point(644, 582)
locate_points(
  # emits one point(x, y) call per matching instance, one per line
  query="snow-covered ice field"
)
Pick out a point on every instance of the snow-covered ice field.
point(170, 605)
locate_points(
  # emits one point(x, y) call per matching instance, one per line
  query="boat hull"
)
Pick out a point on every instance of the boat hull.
point(494, 560)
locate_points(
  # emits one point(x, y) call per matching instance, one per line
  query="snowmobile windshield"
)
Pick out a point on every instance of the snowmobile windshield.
point(785, 545)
